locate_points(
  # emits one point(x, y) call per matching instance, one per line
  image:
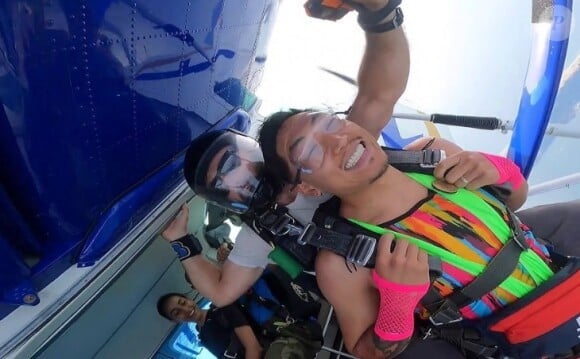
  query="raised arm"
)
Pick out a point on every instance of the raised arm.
point(382, 76)
point(220, 285)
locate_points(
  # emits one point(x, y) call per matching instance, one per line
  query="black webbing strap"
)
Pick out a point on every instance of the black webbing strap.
point(465, 338)
point(234, 348)
point(415, 161)
point(357, 245)
point(359, 249)
point(446, 310)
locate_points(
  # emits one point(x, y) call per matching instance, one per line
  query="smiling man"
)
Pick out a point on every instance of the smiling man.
point(340, 157)
point(220, 329)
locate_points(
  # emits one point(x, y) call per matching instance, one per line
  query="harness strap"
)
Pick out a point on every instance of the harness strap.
point(498, 269)
point(415, 161)
point(446, 310)
point(345, 238)
point(359, 249)
point(339, 236)
point(467, 339)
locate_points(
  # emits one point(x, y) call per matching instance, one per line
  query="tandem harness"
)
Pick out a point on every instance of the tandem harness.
point(544, 321)
point(279, 229)
point(358, 246)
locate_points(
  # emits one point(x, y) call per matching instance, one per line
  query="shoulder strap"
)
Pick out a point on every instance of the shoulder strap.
point(355, 243)
point(277, 227)
point(423, 161)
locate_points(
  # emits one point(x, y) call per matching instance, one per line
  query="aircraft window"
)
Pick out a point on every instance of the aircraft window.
point(184, 342)
point(215, 228)
point(220, 226)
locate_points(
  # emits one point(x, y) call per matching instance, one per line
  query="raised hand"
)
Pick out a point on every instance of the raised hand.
point(468, 169)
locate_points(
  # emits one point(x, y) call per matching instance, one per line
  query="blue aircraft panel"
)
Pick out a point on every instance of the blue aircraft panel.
point(100, 99)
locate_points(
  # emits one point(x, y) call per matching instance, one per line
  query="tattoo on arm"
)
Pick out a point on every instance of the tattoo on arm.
point(370, 345)
point(390, 349)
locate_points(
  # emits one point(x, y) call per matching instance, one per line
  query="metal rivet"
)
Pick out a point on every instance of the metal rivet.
point(29, 298)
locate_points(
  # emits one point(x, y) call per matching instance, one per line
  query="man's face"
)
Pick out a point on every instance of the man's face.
point(333, 154)
point(182, 309)
point(231, 169)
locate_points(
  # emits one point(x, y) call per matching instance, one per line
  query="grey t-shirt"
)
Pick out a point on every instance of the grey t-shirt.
point(252, 251)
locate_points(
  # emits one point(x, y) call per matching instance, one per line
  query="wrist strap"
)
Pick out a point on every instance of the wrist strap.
point(370, 18)
point(186, 247)
point(396, 22)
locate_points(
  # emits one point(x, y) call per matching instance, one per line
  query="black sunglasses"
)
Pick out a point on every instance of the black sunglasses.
point(229, 162)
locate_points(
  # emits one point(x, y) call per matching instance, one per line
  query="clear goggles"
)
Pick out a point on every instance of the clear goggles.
point(306, 152)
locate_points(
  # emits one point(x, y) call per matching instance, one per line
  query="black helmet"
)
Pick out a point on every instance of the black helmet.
point(238, 180)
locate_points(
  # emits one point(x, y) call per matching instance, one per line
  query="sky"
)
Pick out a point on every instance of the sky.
point(467, 57)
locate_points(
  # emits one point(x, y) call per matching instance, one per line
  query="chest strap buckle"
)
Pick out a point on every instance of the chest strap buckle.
point(361, 249)
point(447, 313)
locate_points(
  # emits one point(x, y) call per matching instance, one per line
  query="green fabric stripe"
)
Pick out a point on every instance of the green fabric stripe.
point(472, 203)
point(536, 267)
point(511, 284)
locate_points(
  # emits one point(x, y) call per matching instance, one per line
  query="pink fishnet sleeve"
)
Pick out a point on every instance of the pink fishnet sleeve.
point(397, 305)
point(509, 172)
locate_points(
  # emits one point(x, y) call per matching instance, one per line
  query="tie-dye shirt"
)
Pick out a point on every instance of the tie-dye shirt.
point(447, 225)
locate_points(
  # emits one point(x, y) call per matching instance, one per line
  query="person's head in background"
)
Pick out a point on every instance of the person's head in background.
point(180, 309)
point(227, 168)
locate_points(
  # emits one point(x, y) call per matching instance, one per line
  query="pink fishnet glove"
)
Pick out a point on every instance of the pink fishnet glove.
point(398, 301)
point(509, 172)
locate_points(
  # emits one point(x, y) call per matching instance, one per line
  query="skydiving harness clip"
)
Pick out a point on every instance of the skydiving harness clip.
point(357, 249)
point(415, 161)
point(361, 249)
point(431, 158)
point(278, 222)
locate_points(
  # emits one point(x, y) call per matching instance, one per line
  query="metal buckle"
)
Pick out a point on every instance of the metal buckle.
point(398, 20)
point(278, 225)
point(431, 158)
point(307, 234)
point(519, 235)
point(230, 356)
point(361, 249)
point(446, 314)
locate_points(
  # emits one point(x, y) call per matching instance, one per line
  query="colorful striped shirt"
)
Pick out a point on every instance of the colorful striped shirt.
point(441, 222)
